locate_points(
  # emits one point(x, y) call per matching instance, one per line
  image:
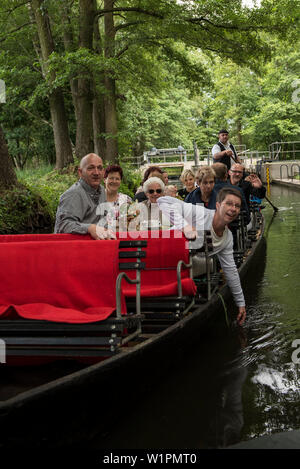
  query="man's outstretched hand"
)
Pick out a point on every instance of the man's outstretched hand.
point(241, 315)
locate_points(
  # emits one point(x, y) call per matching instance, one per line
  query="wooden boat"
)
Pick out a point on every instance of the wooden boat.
point(72, 398)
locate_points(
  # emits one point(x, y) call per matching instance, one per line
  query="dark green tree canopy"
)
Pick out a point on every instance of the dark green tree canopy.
point(106, 76)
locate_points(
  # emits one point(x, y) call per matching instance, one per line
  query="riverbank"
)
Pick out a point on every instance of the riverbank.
point(283, 440)
point(294, 183)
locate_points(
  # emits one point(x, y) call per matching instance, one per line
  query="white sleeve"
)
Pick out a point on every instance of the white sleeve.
point(174, 210)
point(231, 273)
point(182, 214)
point(215, 149)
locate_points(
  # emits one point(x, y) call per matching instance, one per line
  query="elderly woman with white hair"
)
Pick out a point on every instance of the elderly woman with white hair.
point(146, 215)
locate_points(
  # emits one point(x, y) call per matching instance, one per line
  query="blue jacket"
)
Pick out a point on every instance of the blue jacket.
point(195, 198)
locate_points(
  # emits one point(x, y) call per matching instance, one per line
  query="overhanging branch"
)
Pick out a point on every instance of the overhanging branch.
point(129, 9)
point(11, 10)
point(3, 38)
point(202, 19)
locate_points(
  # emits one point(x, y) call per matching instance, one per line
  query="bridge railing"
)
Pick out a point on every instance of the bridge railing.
point(278, 151)
point(163, 157)
point(291, 172)
point(285, 150)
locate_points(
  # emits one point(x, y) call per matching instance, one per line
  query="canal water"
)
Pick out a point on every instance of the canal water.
point(238, 382)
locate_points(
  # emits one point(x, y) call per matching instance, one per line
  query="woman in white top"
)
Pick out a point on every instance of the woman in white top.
point(113, 213)
point(147, 214)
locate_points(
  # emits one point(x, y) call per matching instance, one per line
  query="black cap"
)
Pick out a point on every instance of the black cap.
point(223, 131)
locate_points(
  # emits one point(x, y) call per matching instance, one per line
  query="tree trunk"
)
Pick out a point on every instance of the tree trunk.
point(239, 131)
point(62, 141)
point(84, 124)
point(8, 176)
point(111, 125)
point(139, 146)
point(98, 101)
point(99, 125)
point(69, 47)
point(63, 148)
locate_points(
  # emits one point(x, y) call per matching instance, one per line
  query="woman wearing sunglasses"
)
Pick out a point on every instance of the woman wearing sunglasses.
point(148, 215)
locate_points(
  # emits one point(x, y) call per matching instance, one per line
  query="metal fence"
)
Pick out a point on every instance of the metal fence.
point(284, 150)
point(290, 171)
point(165, 156)
point(277, 151)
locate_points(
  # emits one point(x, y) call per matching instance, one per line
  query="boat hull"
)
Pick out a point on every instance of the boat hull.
point(70, 410)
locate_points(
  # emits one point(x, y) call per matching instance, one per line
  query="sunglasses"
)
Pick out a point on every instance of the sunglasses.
point(152, 191)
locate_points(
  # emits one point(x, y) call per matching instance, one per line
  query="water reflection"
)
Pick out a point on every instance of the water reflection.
point(272, 389)
point(276, 380)
point(225, 429)
point(199, 404)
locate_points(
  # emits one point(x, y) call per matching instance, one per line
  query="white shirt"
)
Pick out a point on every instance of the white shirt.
point(217, 149)
point(182, 214)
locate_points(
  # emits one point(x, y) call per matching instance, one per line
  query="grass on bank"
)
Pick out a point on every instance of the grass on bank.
point(48, 183)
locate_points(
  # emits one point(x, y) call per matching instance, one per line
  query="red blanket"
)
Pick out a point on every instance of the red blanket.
point(43, 237)
point(71, 278)
point(71, 281)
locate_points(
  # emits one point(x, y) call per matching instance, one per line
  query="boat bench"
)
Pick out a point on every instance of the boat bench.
point(58, 297)
point(58, 293)
point(167, 288)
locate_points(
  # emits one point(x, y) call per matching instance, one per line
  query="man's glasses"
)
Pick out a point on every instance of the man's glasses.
point(152, 191)
point(237, 172)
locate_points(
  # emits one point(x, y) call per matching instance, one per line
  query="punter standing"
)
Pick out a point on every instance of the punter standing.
point(224, 151)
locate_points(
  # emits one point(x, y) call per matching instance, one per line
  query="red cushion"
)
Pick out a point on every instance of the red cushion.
point(169, 289)
point(73, 281)
point(164, 250)
point(43, 237)
point(71, 278)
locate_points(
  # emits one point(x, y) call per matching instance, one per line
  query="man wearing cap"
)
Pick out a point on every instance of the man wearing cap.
point(224, 151)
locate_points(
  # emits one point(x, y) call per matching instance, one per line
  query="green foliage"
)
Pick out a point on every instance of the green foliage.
point(31, 206)
point(81, 63)
point(163, 117)
point(257, 109)
point(25, 116)
point(277, 115)
point(182, 70)
point(49, 184)
point(22, 210)
point(131, 179)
